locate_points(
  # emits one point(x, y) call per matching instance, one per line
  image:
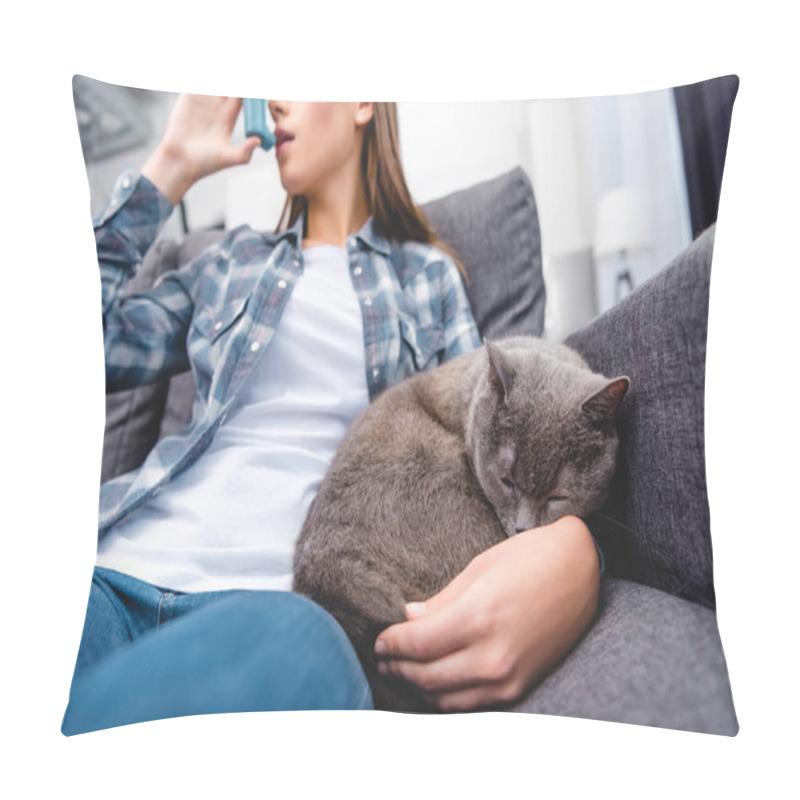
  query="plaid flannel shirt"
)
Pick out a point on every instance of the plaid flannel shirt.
point(217, 315)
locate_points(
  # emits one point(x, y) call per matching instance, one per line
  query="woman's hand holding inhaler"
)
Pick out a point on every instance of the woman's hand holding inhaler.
point(197, 142)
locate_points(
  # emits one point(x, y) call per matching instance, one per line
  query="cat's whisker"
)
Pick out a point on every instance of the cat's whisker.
point(613, 521)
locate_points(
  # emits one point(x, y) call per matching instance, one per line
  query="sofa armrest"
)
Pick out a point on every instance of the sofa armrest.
point(655, 527)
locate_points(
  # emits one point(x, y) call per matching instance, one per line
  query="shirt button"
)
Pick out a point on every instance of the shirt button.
point(281, 284)
point(375, 372)
point(357, 271)
point(217, 326)
point(255, 347)
point(367, 302)
point(126, 182)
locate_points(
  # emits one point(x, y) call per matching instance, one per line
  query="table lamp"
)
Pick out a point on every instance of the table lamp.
point(622, 229)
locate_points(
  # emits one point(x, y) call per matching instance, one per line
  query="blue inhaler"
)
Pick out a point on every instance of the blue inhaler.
point(255, 121)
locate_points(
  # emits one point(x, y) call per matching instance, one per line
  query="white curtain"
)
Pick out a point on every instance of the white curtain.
point(584, 149)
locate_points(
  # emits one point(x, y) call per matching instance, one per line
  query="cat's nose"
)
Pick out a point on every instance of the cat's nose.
point(525, 518)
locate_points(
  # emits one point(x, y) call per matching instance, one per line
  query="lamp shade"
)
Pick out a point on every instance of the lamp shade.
point(622, 222)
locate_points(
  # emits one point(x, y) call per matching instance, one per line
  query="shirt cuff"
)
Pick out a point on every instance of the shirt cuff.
point(136, 209)
point(593, 524)
point(600, 556)
point(147, 197)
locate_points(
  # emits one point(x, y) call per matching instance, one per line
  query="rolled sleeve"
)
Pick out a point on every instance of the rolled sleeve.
point(145, 333)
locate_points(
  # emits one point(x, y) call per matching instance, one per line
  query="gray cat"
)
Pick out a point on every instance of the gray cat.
point(444, 465)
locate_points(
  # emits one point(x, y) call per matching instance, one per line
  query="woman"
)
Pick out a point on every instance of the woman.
point(289, 336)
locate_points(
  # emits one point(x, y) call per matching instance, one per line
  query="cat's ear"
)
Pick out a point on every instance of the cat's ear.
point(500, 373)
point(603, 405)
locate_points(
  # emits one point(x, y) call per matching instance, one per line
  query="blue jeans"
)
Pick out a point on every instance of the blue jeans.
point(147, 654)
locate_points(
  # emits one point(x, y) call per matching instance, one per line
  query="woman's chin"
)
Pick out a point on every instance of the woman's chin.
point(292, 186)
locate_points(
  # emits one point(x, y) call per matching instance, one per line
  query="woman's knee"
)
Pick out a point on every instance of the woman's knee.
point(301, 651)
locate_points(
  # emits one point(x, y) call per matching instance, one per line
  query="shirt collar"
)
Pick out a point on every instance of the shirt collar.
point(372, 238)
point(294, 232)
point(367, 234)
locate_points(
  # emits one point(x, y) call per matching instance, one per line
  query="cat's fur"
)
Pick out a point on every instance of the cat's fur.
point(422, 482)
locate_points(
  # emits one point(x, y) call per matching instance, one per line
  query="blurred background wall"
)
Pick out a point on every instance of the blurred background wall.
point(609, 176)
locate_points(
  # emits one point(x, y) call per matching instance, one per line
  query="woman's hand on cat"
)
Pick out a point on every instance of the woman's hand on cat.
point(508, 618)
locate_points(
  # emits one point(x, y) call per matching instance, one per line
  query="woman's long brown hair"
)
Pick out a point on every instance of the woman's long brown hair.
point(394, 213)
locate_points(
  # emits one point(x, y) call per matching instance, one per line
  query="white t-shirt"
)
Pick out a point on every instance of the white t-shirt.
point(230, 521)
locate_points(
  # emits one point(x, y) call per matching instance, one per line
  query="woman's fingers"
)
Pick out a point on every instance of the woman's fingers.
point(231, 109)
point(472, 698)
point(428, 635)
point(448, 621)
point(241, 153)
point(452, 673)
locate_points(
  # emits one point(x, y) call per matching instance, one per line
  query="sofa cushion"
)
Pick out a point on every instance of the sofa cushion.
point(649, 659)
point(494, 229)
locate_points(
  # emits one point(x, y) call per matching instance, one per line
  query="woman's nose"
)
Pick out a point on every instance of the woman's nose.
point(277, 108)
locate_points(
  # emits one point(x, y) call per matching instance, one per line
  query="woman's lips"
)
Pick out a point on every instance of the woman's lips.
point(282, 138)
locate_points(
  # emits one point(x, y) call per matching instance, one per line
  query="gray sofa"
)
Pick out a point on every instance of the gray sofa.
point(653, 655)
